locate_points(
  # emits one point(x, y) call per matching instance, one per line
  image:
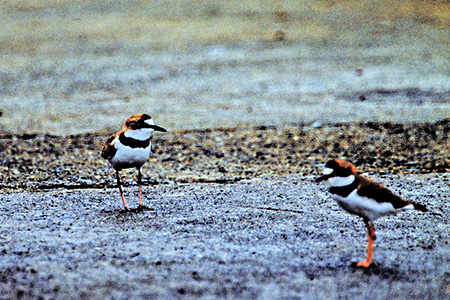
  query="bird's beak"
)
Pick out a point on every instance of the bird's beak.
point(152, 126)
point(322, 178)
point(326, 174)
point(157, 128)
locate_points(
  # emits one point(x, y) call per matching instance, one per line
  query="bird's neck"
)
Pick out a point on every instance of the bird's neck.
point(343, 186)
point(139, 134)
point(341, 181)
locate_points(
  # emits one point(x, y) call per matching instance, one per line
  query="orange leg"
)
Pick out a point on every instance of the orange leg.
point(371, 241)
point(140, 190)
point(121, 191)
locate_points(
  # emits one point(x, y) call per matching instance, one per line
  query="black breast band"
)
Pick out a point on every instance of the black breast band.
point(133, 143)
point(344, 191)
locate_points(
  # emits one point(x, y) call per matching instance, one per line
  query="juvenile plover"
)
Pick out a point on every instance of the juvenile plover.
point(363, 197)
point(130, 148)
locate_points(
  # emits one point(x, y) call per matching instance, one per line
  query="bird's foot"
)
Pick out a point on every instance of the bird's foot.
point(134, 210)
point(143, 207)
point(364, 264)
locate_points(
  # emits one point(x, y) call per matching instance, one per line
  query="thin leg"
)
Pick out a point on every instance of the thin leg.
point(140, 190)
point(121, 191)
point(371, 241)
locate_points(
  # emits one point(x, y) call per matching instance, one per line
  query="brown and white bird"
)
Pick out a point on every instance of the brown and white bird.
point(130, 148)
point(363, 197)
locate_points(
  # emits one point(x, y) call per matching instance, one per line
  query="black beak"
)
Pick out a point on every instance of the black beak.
point(322, 178)
point(143, 124)
point(157, 128)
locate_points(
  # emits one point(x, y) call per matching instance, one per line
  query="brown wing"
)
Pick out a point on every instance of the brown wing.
point(380, 193)
point(108, 149)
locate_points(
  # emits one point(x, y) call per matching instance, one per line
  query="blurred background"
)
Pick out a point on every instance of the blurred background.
point(69, 67)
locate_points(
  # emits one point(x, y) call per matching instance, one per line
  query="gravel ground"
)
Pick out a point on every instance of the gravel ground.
point(36, 162)
point(232, 213)
point(264, 238)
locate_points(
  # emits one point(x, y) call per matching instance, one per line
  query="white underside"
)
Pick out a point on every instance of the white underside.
point(361, 206)
point(127, 157)
point(366, 207)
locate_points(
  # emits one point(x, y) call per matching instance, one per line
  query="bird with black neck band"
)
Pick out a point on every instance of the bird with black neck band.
point(130, 148)
point(363, 197)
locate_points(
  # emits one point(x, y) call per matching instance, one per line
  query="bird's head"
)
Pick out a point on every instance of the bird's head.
point(142, 121)
point(142, 125)
point(337, 172)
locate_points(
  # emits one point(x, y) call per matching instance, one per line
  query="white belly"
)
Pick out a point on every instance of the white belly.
point(364, 207)
point(127, 157)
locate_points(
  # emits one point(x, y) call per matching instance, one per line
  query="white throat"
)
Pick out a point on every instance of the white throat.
point(327, 171)
point(139, 134)
point(341, 181)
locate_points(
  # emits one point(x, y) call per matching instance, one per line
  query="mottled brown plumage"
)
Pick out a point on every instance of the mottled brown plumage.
point(108, 149)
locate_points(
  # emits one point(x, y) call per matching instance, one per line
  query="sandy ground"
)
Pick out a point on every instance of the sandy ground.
point(215, 64)
point(224, 86)
point(232, 213)
point(266, 238)
point(232, 209)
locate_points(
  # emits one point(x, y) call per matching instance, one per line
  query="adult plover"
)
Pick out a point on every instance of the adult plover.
point(130, 148)
point(363, 197)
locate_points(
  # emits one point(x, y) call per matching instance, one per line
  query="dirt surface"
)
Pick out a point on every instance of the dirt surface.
point(215, 64)
point(231, 213)
point(36, 162)
point(256, 96)
point(266, 238)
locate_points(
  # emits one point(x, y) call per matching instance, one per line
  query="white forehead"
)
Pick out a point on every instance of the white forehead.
point(327, 171)
point(150, 122)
